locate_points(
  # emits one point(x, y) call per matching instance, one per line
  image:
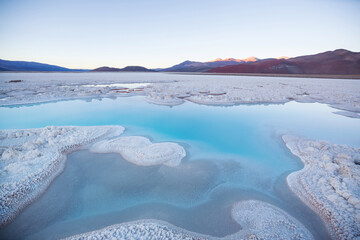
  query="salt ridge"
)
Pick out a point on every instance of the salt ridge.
point(329, 183)
point(141, 151)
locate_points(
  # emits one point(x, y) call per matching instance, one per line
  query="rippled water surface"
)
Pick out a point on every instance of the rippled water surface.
point(233, 153)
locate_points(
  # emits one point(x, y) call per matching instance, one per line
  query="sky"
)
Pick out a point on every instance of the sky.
point(161, 33)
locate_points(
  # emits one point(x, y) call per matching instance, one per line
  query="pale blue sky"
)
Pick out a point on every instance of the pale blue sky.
point(161, 33)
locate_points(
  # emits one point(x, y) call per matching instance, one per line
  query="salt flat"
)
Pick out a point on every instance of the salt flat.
point(173, 89)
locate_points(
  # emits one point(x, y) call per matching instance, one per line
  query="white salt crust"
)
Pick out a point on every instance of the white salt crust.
point(258, 220)
point(140, 230)
point(261, 220)
point(30, 159)
point(174, 89)
point(140, 151)
point(329, 183)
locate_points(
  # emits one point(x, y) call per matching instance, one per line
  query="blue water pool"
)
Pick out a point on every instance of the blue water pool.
point(233, 153)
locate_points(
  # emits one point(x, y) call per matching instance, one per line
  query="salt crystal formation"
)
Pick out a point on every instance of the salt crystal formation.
point(31, 159)
point(140, 151)
point(140, 230)
point(329, 183)
point(261, 220)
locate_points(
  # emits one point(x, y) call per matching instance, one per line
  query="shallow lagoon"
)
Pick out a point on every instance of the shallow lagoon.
point(233, 153)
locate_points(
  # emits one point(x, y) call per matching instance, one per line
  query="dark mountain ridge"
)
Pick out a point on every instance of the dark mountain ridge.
point(340, 62)
point(6, 65)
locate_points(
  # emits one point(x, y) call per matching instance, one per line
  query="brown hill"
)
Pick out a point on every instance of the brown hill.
point(340, 61)
point(125, 69)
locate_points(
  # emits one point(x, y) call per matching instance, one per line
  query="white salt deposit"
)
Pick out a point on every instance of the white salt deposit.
point(140, 151)
point(329, 183)
point(30, 159)
point(118, 145)
point(141, 230)
point(260, 220)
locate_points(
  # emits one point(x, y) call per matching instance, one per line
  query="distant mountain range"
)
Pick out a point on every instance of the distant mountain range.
point(125, 69)
point(191, 66)
point(6, 65)
point(340, 61)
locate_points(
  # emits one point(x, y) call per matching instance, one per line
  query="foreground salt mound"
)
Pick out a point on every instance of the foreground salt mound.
point(30, 159)
point(141, 151)
point(261, 220)
point(329, 183)
point(141, 230)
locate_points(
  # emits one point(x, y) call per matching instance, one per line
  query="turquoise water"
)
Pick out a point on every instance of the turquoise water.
point(234, 153)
